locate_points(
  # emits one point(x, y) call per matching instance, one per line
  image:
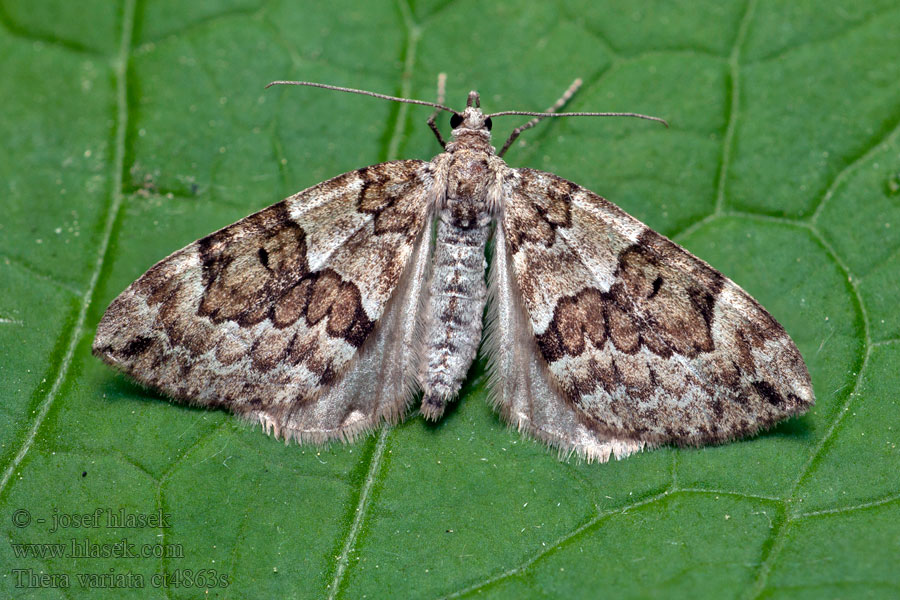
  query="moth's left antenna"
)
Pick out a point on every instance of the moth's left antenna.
point(364, 93)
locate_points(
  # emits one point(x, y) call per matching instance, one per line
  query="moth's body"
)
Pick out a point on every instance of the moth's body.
point(323, 315)
point(465, 179)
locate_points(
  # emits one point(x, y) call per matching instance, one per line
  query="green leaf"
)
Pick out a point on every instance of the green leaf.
point(132, 128)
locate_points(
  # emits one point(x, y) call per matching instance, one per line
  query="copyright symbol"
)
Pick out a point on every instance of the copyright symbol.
point(21, 518)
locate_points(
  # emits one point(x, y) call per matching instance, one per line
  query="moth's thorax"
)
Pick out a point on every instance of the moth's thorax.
point(468, 180)
point(471, 139)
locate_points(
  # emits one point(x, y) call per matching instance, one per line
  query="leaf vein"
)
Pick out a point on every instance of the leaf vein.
point(121, 71)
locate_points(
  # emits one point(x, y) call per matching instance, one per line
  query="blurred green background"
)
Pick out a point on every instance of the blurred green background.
point(132, 128)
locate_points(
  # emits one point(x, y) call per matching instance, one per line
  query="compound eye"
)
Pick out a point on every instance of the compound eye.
point(488, 124)
point(455, 120)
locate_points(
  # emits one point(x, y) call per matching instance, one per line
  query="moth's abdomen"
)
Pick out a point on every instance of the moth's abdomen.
point(455, 305)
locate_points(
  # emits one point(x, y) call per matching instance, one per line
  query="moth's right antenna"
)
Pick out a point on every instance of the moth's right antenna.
point(551, 112)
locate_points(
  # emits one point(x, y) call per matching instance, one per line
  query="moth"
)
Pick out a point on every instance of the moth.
point(324, 315)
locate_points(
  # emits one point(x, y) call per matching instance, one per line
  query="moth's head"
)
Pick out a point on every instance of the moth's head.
point(471, 119)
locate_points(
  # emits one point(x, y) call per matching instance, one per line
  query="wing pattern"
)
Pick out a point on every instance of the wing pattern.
point(263, 316)
point(643, 341)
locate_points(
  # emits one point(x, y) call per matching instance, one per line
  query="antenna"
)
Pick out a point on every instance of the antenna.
point(473, 97)
point(364, 93)
point(551, 112)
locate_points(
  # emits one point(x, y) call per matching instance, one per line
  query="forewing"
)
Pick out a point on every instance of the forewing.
point(642, 339)
point(264, 316)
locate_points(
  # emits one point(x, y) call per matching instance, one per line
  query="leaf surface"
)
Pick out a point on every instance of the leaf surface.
point(133, 128)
